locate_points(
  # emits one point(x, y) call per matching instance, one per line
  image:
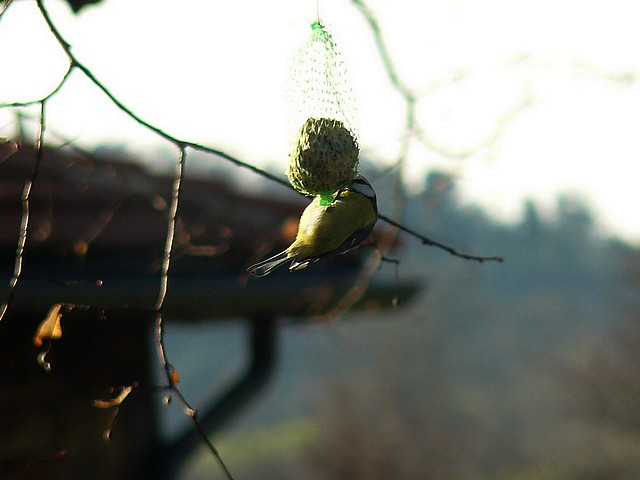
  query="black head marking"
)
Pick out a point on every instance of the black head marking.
point(362, 186)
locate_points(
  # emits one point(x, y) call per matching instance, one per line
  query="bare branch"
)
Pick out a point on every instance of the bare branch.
point(75, 63)
point(4, 8)
point(64, 79)
point(182, 145)
point(411, 130)
point(407, 94)
point(171, 229)
point(26, 213)
point(427, 241)
point(383, 52)
point(166, 264)
point(170, 371)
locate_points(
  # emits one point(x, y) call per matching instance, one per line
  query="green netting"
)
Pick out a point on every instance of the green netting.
point(318, 84)
point(324, 156)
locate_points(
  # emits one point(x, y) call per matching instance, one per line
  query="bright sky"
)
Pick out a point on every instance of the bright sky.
point(558, 81)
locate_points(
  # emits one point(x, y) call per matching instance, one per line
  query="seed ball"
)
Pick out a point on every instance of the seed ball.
point(324, 158)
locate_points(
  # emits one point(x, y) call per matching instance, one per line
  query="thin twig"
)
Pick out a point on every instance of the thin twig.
point(171, 228)
point(75, 63)
point(382, 50)
point(403, 89)
point(410, 130)
point(427, 241)
point(384, 244)
point(172, 215)
point(57, 88)
point(170, 372)
point(26, 213)
point(4, 8)
point(166, 264)
point(182, 145)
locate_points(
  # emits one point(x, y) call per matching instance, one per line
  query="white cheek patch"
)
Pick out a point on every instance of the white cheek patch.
point(364, 189)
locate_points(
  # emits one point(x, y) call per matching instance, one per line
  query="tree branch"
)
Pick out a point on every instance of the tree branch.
point(26, 214)
point(75, 63)
point(4, 8)
point(427, 241)
point(181, 143)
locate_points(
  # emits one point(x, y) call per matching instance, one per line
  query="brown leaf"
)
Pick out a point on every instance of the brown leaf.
point(50, 328)
point(80, 248)
point(114, 402)
point(7, 148)
point(174, 376)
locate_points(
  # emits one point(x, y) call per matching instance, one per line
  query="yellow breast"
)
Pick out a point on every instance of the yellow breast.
point(324, 229)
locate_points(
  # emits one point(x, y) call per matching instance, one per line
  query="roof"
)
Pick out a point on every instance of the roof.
point(100, 219)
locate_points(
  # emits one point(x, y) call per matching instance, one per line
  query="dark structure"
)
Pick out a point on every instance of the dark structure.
point(95, 246)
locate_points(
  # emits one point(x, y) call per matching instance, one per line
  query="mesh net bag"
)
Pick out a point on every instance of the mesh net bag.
point(324, 154)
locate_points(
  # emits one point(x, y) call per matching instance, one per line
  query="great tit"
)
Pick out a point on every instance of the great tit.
point(327, 231)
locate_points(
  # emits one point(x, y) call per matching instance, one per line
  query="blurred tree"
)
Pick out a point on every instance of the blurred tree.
point(605, 388)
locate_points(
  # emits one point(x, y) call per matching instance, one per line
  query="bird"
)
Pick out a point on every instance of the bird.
point(325, 232)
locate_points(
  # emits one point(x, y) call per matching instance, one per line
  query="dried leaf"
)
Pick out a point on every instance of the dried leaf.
point(174, 377)
point(106, 435)
point(80, 248)
point(7, 148)
point(42, 359)
point(114, 402)
point(50, 328)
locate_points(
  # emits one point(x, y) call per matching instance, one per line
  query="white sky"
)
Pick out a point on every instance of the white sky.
point(215, 72)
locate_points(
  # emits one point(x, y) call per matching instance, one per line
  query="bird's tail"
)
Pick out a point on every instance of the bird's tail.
point(266, 266)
